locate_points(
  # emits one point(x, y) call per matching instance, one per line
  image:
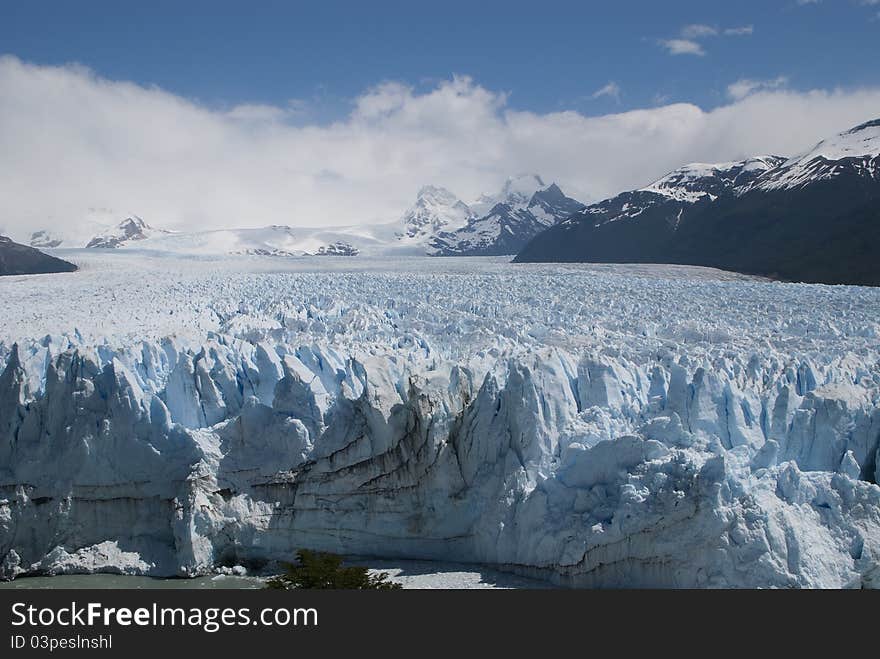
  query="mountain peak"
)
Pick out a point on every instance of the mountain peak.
point(434, 191)
point(436, 209)
point(858, 142)
point(132, 222)
point(521, 187)
point(697, 181)
point(503, 224)
point(551, 194)
point(46, 239)
point(517, 191)
point(130, 229)
point(855, 151)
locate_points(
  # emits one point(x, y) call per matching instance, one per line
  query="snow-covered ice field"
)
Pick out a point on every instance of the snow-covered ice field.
point(593, 425)
point(131, 296)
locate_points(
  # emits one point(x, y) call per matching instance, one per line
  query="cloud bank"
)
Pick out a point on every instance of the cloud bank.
point(71, 141)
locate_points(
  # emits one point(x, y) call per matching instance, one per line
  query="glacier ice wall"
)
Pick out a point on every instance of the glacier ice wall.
point(590, 425)
point(588, 468)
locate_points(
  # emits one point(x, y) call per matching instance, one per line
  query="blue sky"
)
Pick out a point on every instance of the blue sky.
point(547, 55)
point(208, 114)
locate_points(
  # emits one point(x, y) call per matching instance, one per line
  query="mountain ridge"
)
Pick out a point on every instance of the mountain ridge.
point(807, 219)
point(524, 207)
point(437, 224)
point(132, 228)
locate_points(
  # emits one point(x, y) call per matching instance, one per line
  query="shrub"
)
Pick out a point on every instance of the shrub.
point(316, 569)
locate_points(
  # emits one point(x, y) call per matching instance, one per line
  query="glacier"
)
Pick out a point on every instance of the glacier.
point(594, 426)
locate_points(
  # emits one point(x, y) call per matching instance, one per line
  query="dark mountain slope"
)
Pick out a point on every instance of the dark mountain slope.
point(16, 259)
point(814, 219)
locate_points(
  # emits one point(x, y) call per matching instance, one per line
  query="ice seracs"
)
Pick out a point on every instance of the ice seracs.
point(593, 426)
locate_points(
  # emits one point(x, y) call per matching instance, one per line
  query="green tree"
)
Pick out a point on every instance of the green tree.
point(315, 569)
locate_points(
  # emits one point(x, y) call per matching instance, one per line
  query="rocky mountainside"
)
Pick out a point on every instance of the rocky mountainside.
point(504, 223)
point(74, 231)
point(338, 248)
point(436, 209)
point(814, 218)
point(45, 239)
point(130, 230)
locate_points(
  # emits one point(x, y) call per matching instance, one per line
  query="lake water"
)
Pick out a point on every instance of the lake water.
point(411, 574)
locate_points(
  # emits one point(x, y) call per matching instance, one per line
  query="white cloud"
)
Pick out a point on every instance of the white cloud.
point(745, 86)
point(257, 112)
point(698, 31)
point(70, 141)
point(612, 89)
point(742, 31)
point(688, 41)
point(682, 47)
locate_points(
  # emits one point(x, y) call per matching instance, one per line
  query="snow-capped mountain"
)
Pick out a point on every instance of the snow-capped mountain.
point(45, 239)
point(517, 191)
point(438, 223)
point(812, 218)
point(524, 207)
point(436, 209)
point(131, 229)
point(853, 153)
point(274, 240)
point(74, 231)
point(338, 248)
point(706, 182)
point(681, 191)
